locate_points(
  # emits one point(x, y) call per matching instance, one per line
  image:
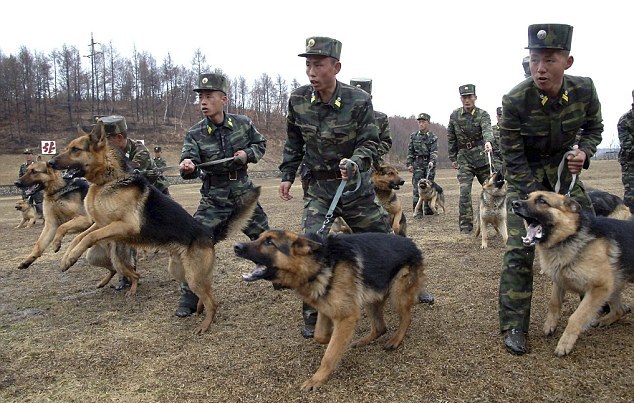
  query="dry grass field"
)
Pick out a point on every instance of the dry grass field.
point(63, 340)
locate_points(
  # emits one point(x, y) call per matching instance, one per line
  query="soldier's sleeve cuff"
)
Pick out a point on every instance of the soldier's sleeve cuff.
point(288, 177)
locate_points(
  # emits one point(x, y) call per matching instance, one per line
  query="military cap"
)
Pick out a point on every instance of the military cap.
point(114, 124)
point(322, 46)
point(527, 67)
point(212, 82)
point(364, 83)
point(549, 36)
point(467, 89)
point(423, 116)
point(157, 149)
point(498, 110)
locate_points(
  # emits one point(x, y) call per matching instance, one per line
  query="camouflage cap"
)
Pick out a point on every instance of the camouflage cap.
point(212, 82)
point(549, 36)
point(364, 83)
point(27, 151)
point(498, 110)
point(322, 46)
point(467, 89)
point(423, 116)
point(157, 149)
point(527, 67)
point(114, 124)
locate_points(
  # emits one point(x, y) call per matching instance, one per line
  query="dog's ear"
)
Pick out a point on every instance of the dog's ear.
point(98, 136)
point(80, 131)
point(572, 205)
point(303, 246)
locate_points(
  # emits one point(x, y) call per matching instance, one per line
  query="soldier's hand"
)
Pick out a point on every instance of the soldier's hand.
point(454, 164)
point(431, 164)
point(344, 170)
point(488, 147)
point(241, 155)
point(410, 168)
point(187, 166)
point(575, 164)
point(284, 190)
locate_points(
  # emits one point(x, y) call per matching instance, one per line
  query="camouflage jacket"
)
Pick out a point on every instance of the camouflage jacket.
point(139, 158)
point(465, 128)
point(495, 131)
point(344, 127)
point(206, 142)
point(537, 131)
point(385, 136)
point(159, 162)
point(422, 148)
point(23, 168)
point(626, 136)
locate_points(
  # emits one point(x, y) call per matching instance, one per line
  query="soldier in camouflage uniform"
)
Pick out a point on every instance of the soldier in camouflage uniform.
point(382, 122)
point(138, 158)
point(330, 123)
point(159, 161)
point(469, 138)
point(36, 198)
point(422, 153)
point(496, 156)
point(218, 136)
point(540, 122)
point(626, 155)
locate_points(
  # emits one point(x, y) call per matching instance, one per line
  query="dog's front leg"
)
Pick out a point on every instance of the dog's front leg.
point(339, 342)
point(42, 243)
point(77, 224)
point(90, 237)
point(554, 309)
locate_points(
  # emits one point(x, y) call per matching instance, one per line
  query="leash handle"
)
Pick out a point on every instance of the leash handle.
point(348, 166)
point(490, 163)
point(560, 169)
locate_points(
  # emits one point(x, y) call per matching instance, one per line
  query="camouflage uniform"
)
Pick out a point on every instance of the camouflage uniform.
point(536, 132)
point(321, 133)
point(466, 135)
point(421, 150)
point(36, 198)
point(496, 155)
point(626, 155)
point(159, 161)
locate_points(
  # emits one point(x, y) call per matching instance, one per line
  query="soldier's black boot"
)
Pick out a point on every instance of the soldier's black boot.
point(310, 320)
point(187, 303)
point(124, 283)
point(425, 297)
point(515, 341)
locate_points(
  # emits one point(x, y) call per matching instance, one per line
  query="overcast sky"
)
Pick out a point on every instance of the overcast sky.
point(417, 53)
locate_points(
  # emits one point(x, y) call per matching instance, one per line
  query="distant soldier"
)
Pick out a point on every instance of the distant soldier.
point(469, 137)
point(385, 137)
point(496, 156)
point(422, 153)
point(36, 198)
point(159, 161)
point(626, 155)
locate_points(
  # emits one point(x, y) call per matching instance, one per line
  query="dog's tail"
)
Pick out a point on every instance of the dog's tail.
point(240, 215)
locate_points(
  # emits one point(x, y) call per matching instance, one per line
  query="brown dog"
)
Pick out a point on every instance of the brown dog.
point(27, 212)
point(126, 208)
point(492, 208)
point(386, 180)
point(339, 276)
point(431, 193)
point(588, 255)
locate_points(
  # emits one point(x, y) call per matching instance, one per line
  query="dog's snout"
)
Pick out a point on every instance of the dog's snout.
point(239, 247)
point(401, 183)
point(516, 203)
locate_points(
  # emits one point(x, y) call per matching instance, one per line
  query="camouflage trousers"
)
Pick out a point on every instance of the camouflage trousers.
point(217, 204)
point(516, 280)
point(418, 174)
point(627, 176)
point(466, 173)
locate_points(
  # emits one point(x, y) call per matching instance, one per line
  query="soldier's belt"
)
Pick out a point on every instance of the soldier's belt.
point(325, 175)
point(219, 178)
point(470, 144)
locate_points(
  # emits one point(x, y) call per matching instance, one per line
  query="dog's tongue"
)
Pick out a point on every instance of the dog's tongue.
point(533, 234)
point(257, 274)
point(31, 190)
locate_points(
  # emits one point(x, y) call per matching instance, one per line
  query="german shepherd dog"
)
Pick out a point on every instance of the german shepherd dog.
point(591, 256)
point(126, 208)
point(338, 276)
point(492, 208)
point(430, 192)
point(608, 205)
point(386, 180)
point(27, 212)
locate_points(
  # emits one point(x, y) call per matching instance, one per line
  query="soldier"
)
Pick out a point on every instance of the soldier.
point(330, 124)
point(540, 122)
point(381, 119)
point(422, 153)
point(36, 198)
point(469, 137)
point(496, 156)
point(159, 161)
point(626, 155)
point(219, 136)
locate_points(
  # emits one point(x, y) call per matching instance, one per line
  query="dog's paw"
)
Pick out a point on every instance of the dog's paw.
point(66, 263)
point(484, 245)
point(25, 264)
point(565, 345)
point(57, 245)
point(312, 384)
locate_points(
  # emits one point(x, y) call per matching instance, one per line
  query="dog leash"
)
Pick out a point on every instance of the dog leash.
point(339, 193)
point(490, 163)
point(560, 170)
point(429, 167)
point(177, 167)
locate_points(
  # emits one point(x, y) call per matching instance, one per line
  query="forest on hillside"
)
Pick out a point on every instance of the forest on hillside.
point(50, 94)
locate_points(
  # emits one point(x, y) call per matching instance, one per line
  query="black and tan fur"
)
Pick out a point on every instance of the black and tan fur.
point(588, 255)
point(126, 208)
point(492, 208)
point(431, 193)
point(608, 205)
point(386, 180)
point(28, 214)
point(338, 276)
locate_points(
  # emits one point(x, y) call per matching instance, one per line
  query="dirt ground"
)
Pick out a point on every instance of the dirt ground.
point(63, 340)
